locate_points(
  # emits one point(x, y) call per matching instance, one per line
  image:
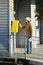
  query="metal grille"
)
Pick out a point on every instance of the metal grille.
point(22, 9)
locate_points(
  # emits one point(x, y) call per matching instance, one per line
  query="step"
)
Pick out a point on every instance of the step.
point(7, 61)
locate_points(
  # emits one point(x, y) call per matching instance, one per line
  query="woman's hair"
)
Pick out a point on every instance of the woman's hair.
point(28, 19)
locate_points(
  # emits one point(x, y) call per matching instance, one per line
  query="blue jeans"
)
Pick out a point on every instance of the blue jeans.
point(29, 45)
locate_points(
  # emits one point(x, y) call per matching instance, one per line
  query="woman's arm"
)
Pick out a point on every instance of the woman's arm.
point(21, 26)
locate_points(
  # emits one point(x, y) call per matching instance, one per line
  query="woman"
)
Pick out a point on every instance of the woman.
point(28, 33)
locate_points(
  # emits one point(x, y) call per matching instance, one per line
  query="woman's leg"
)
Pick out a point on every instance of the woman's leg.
point(28, 46)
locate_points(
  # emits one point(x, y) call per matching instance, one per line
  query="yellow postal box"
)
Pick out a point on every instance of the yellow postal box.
point(14, 26)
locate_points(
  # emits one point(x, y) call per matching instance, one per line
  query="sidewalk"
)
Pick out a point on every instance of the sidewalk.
point(37, 53)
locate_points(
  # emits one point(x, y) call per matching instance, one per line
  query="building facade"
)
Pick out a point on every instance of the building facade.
point(17, 9)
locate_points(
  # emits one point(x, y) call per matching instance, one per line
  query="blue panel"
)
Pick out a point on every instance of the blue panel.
point(4, 28)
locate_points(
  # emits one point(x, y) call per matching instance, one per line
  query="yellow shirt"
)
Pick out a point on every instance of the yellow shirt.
point(14, 26)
